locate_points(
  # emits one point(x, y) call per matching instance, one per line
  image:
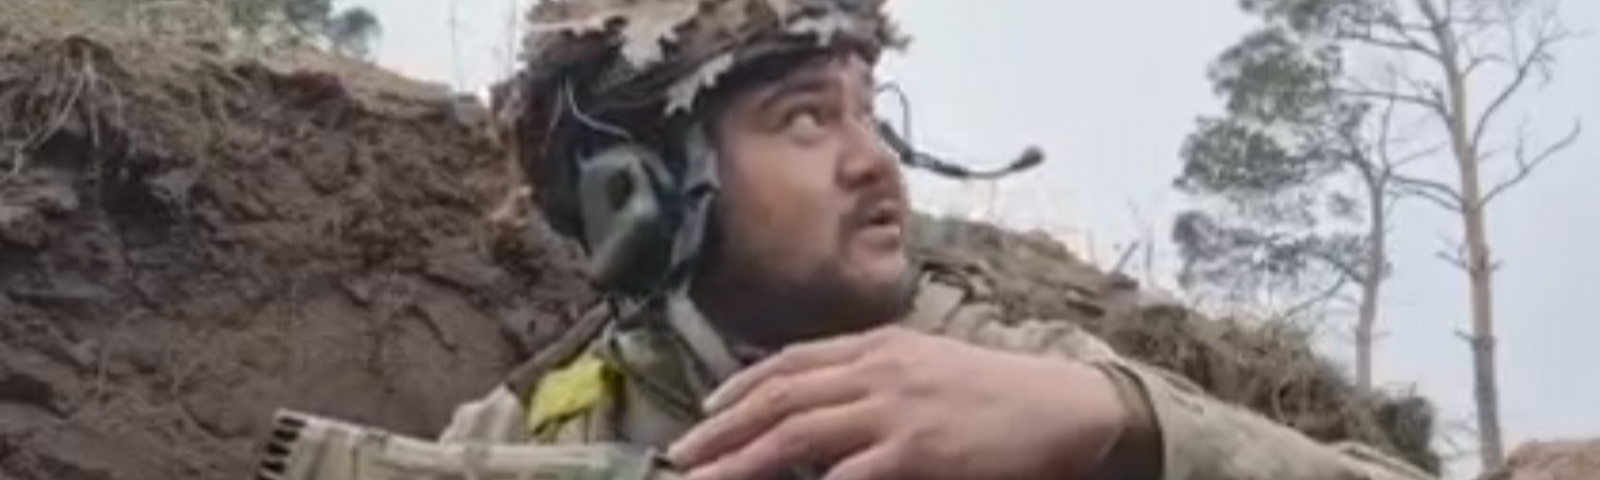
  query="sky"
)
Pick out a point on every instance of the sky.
point(1109, 89)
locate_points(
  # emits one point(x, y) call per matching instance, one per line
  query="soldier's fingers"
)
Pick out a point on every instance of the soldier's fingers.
point(808, 439)
point(764, 408)
point(798, 358)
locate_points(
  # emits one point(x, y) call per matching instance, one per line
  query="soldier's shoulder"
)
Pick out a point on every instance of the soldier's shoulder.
point(942, 287)
point(959, 300)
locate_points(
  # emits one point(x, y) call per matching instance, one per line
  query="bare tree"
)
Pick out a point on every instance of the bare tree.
point(1461, 41)
point(1451, 69)
point(1378, 164)
point(1305, 176)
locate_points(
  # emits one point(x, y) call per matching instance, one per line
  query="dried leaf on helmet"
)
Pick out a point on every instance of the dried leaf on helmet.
point(783, 8)
point(645, 24)
point(644, 33)
point(823, 27)
point(726, 15)
point(681, 95)
point(569, 17)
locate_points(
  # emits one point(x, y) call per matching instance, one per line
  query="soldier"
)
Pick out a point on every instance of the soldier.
point(744, 211)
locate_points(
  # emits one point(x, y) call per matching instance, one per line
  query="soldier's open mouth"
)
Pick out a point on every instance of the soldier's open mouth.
point(882, 225)
point(884, 216)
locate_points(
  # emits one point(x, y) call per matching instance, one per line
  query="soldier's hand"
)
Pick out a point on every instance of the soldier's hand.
point(897, 405)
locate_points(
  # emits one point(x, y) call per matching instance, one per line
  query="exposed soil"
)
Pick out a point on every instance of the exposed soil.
point(189, 241)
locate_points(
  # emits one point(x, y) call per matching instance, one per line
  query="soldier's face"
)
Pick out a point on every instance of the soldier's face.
point(814, 207)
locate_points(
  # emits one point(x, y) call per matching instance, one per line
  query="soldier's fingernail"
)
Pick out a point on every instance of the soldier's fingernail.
point(661, 462)
point(675, 454)
point(715, 401)
point(665, 461)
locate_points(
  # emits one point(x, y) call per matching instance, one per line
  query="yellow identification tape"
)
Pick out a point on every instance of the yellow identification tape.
point(569, 391)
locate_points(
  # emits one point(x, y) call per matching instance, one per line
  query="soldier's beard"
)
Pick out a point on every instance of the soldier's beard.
point(769, 314)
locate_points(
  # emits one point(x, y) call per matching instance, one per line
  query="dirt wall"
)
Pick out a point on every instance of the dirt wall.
point(187, 243)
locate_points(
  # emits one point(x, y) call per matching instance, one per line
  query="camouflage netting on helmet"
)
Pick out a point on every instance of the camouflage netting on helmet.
point(646, 63)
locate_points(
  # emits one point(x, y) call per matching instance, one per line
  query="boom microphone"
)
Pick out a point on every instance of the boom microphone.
point(1031, 157)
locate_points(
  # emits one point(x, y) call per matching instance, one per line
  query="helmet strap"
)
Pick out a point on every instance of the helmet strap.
point(698, 188)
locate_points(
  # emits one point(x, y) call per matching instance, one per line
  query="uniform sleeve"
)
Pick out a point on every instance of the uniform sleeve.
point(1198, 436)
point(1201, 437)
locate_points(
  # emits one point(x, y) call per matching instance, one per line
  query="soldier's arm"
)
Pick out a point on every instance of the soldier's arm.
point(1177, 428)
point(1196, 436)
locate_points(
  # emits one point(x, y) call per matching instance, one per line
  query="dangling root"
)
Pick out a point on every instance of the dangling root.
point(513, 210)
point(20, 153)
point(73, 66)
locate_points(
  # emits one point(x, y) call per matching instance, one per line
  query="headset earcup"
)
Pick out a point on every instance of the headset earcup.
point(626, 228)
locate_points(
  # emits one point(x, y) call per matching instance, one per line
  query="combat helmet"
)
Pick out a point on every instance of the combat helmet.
point(604, 116)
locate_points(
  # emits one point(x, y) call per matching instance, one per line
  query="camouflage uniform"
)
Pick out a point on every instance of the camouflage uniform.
point(650, 380)
point(635, 373)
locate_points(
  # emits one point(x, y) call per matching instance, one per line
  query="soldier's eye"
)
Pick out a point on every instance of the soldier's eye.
point(804, 120)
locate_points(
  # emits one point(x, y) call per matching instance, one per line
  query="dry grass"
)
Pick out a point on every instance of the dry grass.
point(1269, 367)
point(184, 20)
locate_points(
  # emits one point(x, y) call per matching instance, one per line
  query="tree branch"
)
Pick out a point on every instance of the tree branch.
point(1523, 67)
point(1437, 200)
point(1438, 96)
point(1418, 155)
point(1493, 153)
point(1458, 258)
point(1346, 300)
point(1478, 61)
point(1436, 22)
point(1434, 105)
point(1408, 45)
point(1361, 156)
point(1433, 190)
point(1454, 260)
point(1526, 164)
point(1406, 42)
point(1328, 294)
point(1385, 139)
point(1345, 269)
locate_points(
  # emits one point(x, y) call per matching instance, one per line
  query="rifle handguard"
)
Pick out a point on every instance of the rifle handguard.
point(307, 447)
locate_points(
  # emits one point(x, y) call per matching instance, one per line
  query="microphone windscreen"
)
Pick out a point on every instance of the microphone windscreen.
point(1031, 157)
